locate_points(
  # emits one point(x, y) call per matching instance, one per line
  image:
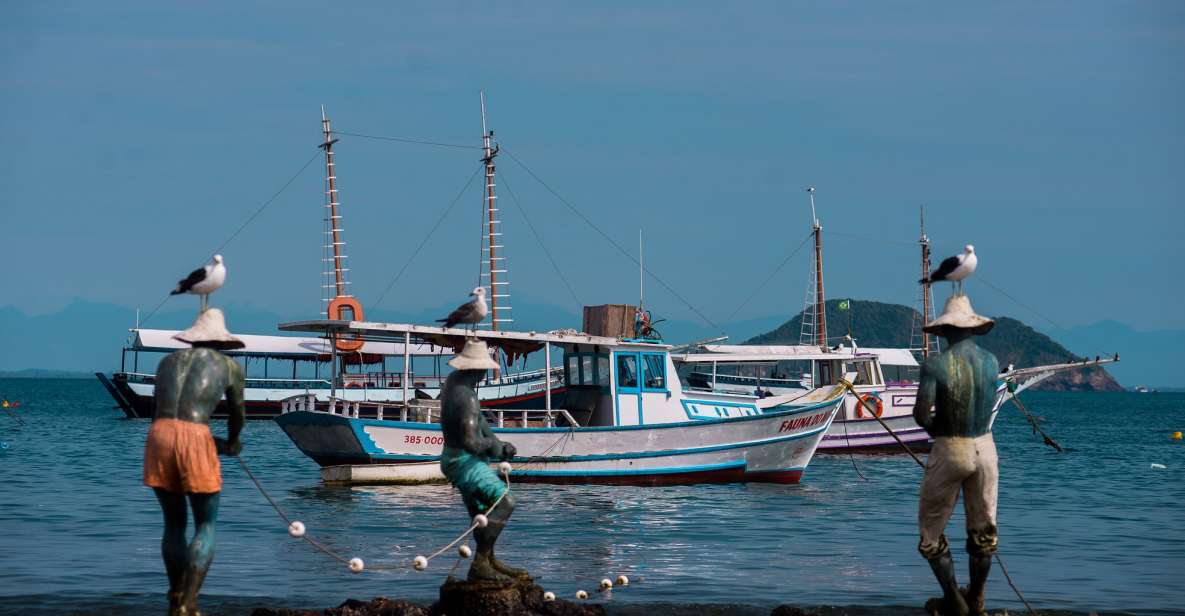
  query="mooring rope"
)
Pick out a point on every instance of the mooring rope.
point(999, 561)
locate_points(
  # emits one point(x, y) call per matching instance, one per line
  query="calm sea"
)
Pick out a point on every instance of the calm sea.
point(1096, 528)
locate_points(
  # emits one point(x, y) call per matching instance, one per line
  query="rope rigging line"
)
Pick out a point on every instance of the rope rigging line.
point(1000, 562)
point(539, 239)
point(410, 140)
point(249, 220)
point(771, 276)
point(419, 563)
point(980, 278)
point(605, 235)
point(424, 241)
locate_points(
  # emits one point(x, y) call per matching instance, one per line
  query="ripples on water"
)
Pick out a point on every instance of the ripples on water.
point(1092, 529)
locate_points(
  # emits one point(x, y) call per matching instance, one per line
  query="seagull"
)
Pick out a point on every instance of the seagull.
point(955, 269)
point(203, 280)
point(471, 312)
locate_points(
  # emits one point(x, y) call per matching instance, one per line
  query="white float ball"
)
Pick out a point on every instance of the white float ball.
point(504, 468)
point(606, 584)
point(296, 529)
point(481, 520)
point(623, 581)
point(356, 565)
point(548, 597)
point(464, 551)
point(420, 563)
point(580, 594)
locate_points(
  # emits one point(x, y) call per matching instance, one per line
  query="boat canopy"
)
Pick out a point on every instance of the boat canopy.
point(771, 353)
point(893, 357)
point(281, 347)
point(511, 342)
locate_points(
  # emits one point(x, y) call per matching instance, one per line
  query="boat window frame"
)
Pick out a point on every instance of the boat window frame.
point(621, 386)
point(644, 364)
point(575, 373)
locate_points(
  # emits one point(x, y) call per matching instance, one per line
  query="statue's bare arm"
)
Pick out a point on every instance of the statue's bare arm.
point(924, 402)
point(480, 439)
point(235, 407)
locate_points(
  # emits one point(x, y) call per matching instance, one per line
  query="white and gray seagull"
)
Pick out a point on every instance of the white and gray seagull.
point(955, 269)
point(203, 280)
point(471, 312)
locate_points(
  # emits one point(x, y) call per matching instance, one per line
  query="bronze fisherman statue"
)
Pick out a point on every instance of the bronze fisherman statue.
point(181, 456)
point(469, 446)
point(960, 385)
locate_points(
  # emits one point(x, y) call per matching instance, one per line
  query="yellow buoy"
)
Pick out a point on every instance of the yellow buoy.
point(1177, 435)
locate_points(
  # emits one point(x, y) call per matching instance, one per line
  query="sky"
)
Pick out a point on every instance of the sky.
point(138, 137)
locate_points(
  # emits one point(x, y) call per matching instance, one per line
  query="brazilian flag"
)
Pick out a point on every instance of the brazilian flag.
point(843, 304)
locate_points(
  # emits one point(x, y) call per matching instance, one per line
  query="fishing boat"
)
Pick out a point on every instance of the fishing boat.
point(626, 419)
point(345, 369)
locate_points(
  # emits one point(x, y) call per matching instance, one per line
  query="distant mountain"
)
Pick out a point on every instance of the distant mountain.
point(875, 324)
point(41, 373)
point(1151, 358)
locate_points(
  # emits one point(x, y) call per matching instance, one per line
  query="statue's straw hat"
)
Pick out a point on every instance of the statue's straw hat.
point(958, 313)
point(209, 330)
point(475, 356)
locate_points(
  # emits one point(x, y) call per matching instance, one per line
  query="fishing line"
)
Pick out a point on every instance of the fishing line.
point(251, 218)
point(771, 276)
point(999, 561)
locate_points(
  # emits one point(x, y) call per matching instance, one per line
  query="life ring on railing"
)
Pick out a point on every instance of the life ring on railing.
point(869, 399)
point(345, 308)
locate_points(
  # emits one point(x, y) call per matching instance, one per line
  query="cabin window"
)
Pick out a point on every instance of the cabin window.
point(603, 370)
point(586, 370)
point(863, 370)
point(824, 374)
point(655, 373)
point(627, 371)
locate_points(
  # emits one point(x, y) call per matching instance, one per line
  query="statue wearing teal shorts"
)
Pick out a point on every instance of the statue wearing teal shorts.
point(469, 447)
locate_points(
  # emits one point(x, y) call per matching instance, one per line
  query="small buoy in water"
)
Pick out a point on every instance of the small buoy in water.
point(623, 581)
point(504, 468)
point(548, 597)
point(3, 444)
point(4, 404)
point(606, 584)
point(1158, 466)
point(580, 594)
point(481, 520)
point(420, 563)
point(296, 529)
point(464, 551)
point(356, 565)
point(1177, 435)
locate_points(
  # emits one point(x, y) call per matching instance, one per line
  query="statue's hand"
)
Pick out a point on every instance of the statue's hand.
point(227, 448)
point(508, 451)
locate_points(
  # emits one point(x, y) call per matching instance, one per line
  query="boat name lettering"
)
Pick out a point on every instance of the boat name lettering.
point(802, 422)
point(417, 439)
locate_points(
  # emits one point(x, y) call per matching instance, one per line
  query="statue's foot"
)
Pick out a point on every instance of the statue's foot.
point(940, 606)
point(974, 603)
point(502, 567)
point(483, 571)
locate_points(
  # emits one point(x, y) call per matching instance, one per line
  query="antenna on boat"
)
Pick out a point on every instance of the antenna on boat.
point(641, 270)
point(814, 312)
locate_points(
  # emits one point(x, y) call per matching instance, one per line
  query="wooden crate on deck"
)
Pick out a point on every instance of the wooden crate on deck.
point(611, 320)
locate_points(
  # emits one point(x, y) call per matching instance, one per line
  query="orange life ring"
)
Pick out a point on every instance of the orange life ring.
point(342, 304)
point(868, 398)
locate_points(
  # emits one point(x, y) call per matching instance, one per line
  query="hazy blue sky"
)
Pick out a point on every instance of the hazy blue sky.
point(136, 137)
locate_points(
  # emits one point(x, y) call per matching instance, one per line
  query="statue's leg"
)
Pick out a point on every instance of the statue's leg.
point(484, 565)
point(979, 502)
point(201, 549)
point(940, 490)
point(172, 542)
point(502, 513)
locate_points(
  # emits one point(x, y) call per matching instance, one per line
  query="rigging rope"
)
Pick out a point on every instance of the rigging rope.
point(613, 242)
point(539, 239)
point(249, 220)
point(771, 276)
point(410, 140)
point(424, 241)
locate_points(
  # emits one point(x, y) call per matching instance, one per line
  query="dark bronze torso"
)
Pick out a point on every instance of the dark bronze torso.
point(960, 383)
point(191, 382)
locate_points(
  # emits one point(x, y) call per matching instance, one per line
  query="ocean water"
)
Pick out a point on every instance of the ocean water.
point(1092, 529)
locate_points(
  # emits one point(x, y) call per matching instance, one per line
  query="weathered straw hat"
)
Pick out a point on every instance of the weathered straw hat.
point(209, 330)
point(475, 356)
point(958, 313)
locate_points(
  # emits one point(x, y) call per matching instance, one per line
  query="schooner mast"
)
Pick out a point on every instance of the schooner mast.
point(339, 303)
point(493, 264)
point(814, 313)
point(928, 343)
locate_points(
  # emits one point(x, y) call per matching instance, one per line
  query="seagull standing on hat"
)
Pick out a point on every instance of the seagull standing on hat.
point(955, 269)
point(471, 312)
point(203, 281)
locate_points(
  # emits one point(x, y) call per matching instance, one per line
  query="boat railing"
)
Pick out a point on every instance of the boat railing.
point(422, 411)
point(258, 382)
